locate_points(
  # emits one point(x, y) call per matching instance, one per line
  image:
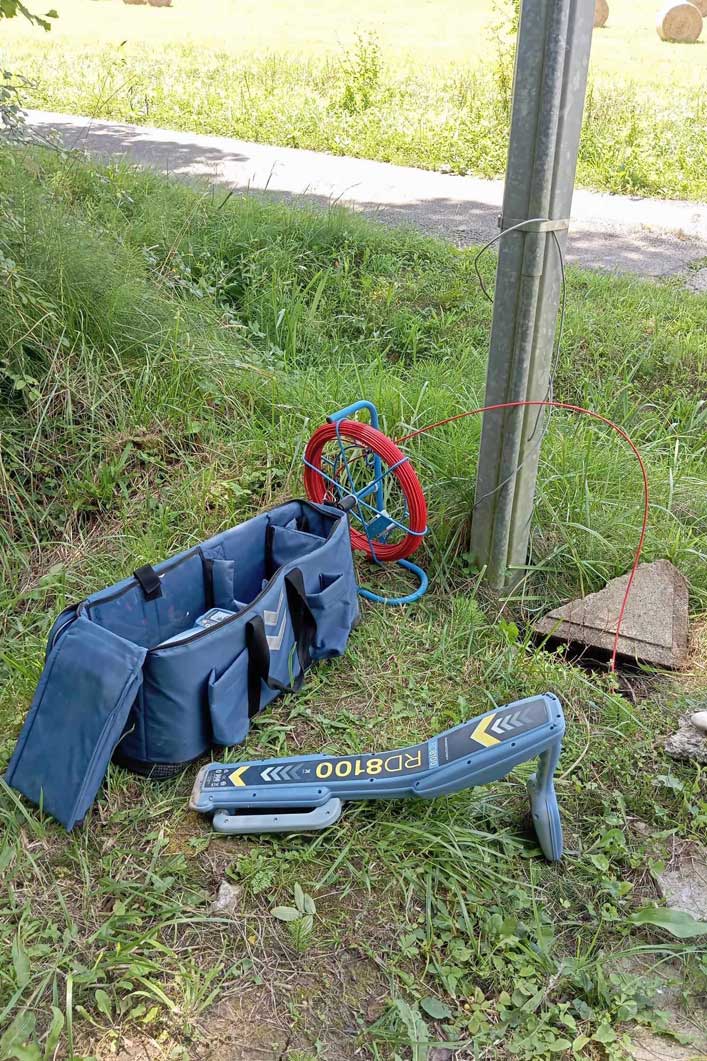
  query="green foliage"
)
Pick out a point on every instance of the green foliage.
point(298, 918)
point(676, 922)
point(12, 8)
point(362, 74)
point(13, 89)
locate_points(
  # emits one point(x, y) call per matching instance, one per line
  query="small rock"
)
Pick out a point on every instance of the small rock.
point(688, 743)
point(228, 899)
point(699, 720)
point(375, 1008)
point(445, 168)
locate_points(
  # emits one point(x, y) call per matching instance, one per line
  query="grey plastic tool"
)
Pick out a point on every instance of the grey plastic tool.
point(286, 821)
point(304, 793)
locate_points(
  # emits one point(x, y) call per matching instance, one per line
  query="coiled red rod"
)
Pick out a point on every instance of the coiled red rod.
point(370, 438)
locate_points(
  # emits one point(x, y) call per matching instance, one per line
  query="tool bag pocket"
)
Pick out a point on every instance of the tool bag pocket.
point(81, 705)
point(334, 608)
point(278, 652)
point(228, 702)
point(181, 656)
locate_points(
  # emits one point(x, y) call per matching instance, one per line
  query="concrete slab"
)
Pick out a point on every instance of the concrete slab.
point(655, 624)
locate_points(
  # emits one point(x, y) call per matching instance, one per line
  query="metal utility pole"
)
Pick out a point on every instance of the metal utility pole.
point(550, 80)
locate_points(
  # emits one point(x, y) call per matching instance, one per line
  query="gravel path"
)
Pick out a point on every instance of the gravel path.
point(649, 237)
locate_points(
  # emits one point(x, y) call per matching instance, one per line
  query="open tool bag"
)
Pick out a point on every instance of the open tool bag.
point(163, 665)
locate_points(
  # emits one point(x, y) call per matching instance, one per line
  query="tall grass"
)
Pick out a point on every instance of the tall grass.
point(129, 303)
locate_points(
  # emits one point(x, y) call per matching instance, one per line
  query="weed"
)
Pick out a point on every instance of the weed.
point(298, 918)
point(362, 75)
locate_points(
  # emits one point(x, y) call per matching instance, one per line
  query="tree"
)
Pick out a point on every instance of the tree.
point(11, 113)
point(11, 8)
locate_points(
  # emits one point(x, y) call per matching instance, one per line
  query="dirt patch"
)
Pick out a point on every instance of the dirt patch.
point(686, 1021)
point(325, 1010)
point(683, 884)
point(649, 1047)
point(246, 1028)
point(693, 677)
point(138, 1047)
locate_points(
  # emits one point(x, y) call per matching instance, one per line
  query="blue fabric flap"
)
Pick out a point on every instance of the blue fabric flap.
point(82, 702)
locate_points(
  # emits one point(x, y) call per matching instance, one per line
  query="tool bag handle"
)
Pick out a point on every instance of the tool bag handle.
point(305, 628)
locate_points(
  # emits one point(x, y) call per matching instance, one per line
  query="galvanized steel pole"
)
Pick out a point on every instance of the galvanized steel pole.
point(552, 56)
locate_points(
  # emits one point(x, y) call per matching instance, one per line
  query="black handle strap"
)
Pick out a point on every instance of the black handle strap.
point(305, 628)
point(149, 582)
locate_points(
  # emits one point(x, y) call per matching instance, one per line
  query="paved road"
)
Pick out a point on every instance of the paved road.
point(645, 236)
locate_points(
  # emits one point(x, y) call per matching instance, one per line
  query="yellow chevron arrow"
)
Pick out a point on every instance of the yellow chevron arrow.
point(481, 736)
point(237, 776)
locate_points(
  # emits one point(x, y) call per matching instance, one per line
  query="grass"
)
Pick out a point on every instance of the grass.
point(439, 34)
point(403, 86)
point(166, 355)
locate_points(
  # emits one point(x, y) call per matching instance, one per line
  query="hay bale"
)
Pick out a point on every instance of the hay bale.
point(601, 13)
point(160, 3)
point(679, 22)
point(701, 6)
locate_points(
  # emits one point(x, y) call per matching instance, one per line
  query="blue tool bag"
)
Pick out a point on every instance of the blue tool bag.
point(163, 665)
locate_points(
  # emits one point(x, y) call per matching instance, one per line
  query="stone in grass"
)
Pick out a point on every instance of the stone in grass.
point(690, 741)
point(680, 23)
point(655, 625)
point(601, 13)
point(699, 721)
point(227, 902)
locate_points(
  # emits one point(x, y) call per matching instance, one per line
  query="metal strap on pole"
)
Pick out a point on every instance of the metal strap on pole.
point(560, 224)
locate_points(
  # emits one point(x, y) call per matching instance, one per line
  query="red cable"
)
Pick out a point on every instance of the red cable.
point(620, 431)
point(368, 436)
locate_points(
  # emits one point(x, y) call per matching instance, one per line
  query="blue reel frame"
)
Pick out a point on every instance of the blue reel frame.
point(383, 522)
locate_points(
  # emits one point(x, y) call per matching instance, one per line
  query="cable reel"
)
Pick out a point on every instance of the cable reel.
point(354, 463)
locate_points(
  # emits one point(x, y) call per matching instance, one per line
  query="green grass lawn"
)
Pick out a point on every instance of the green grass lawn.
point(416, 83)
point(165, 357)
